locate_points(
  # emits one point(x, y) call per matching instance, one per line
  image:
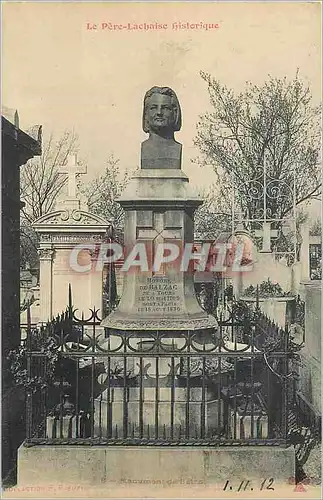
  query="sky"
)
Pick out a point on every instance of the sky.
point(59, 73)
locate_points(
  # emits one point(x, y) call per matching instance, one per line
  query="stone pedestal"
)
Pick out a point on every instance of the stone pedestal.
point(159, 208)
point(162, 465)
point(113, 412)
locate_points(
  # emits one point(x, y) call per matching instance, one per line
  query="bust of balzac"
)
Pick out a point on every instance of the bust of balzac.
point(161, 118)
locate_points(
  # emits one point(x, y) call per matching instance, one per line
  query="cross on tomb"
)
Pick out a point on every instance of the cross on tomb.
point(72, 169)
point(266, 233)
point(157, 234)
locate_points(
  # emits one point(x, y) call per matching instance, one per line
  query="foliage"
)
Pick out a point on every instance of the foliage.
point(229, 293)
point(207, 296)
point(266, 289)
point(241, 311)
point(300, 312)
point(27, 301)
point(17, 362)
point(102, 194)
point(316, 229)
point(110, 295)
point(276, 123)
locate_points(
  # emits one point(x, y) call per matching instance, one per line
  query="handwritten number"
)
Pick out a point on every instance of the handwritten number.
point(247, 482)
point(269, 485)
point(241, 484)
point(226, 485)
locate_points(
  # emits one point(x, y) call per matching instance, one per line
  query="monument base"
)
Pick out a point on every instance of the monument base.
point(95, 465)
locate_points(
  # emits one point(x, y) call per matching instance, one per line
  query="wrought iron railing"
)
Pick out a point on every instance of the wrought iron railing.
point(90, 386)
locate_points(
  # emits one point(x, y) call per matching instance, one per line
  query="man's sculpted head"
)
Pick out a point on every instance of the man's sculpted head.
point(162, 112)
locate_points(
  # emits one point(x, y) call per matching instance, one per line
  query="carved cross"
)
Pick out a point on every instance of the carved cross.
point(157, 234)
point(72, 169)
point(266, 233)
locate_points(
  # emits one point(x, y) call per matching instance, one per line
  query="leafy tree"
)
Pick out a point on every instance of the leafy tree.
point(274, 123)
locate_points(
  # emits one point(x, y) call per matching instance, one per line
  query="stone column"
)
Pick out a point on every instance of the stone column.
point(296, 277)
point(96, 284)
point(46, 277)
point(238, 285)
point(305, 251)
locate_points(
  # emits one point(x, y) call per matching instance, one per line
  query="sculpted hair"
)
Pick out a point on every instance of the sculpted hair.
point(175, 104)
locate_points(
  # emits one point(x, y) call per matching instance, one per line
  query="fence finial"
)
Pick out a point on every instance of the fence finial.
point(70, 302)
point(257, 298)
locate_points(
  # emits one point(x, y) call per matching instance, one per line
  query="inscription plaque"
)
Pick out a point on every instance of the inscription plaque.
point(158, 295)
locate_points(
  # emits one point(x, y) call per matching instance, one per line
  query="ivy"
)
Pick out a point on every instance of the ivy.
point(17, 363)
point(266, 289)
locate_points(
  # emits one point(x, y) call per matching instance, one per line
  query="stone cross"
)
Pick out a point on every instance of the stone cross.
point(157, 234)
point(266, 233)
point(72, 169)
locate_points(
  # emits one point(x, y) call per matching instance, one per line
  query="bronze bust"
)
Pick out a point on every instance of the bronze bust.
point(161, 118)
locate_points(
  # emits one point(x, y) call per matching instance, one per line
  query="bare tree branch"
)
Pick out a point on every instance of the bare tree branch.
point(102, 194)
point(276, 119)
point(40, 185)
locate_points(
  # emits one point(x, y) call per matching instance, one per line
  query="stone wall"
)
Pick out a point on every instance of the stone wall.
point(310, 371)
point(127, 464)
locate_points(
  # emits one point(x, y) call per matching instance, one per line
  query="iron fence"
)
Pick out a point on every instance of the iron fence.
point(89, 386)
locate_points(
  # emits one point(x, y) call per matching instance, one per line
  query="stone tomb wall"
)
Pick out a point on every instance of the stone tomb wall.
point(158, 416)
point(63, 275)
point(169, 397)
